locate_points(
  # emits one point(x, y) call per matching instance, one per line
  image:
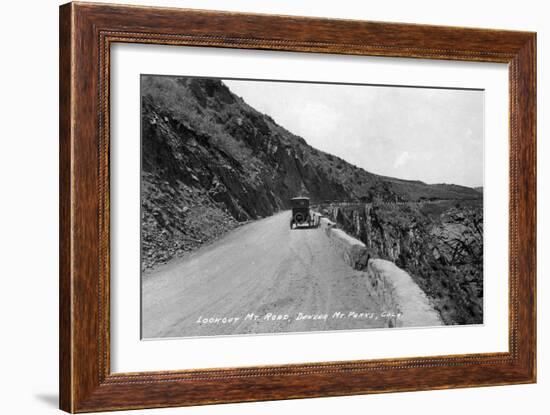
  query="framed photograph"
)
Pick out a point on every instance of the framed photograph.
point(258, 207)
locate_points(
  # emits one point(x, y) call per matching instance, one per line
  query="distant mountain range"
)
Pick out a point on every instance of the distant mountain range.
point(210, 160)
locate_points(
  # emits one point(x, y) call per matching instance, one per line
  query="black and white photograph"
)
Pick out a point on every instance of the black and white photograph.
point(273, 206)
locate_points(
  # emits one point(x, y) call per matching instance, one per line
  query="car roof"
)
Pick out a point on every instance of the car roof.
point(300, 198)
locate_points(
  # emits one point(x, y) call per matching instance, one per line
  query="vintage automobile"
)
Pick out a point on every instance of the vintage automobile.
point(301, 215)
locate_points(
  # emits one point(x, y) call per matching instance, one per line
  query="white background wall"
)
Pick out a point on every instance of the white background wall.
point(28, 208)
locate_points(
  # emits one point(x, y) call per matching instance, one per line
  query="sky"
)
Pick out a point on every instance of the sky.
point(432, 135)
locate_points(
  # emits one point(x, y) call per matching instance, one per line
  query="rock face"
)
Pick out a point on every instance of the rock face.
point(440, 244)
point(210, 162)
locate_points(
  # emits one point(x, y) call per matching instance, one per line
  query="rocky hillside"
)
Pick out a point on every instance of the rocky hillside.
point(440, 244)
point(210, 162)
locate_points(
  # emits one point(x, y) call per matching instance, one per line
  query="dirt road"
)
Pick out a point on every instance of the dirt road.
point(259, 278)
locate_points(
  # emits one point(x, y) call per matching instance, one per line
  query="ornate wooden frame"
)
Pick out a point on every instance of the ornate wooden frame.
point(86, 33)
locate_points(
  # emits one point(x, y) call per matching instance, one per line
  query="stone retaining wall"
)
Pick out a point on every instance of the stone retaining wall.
point(396, 292)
